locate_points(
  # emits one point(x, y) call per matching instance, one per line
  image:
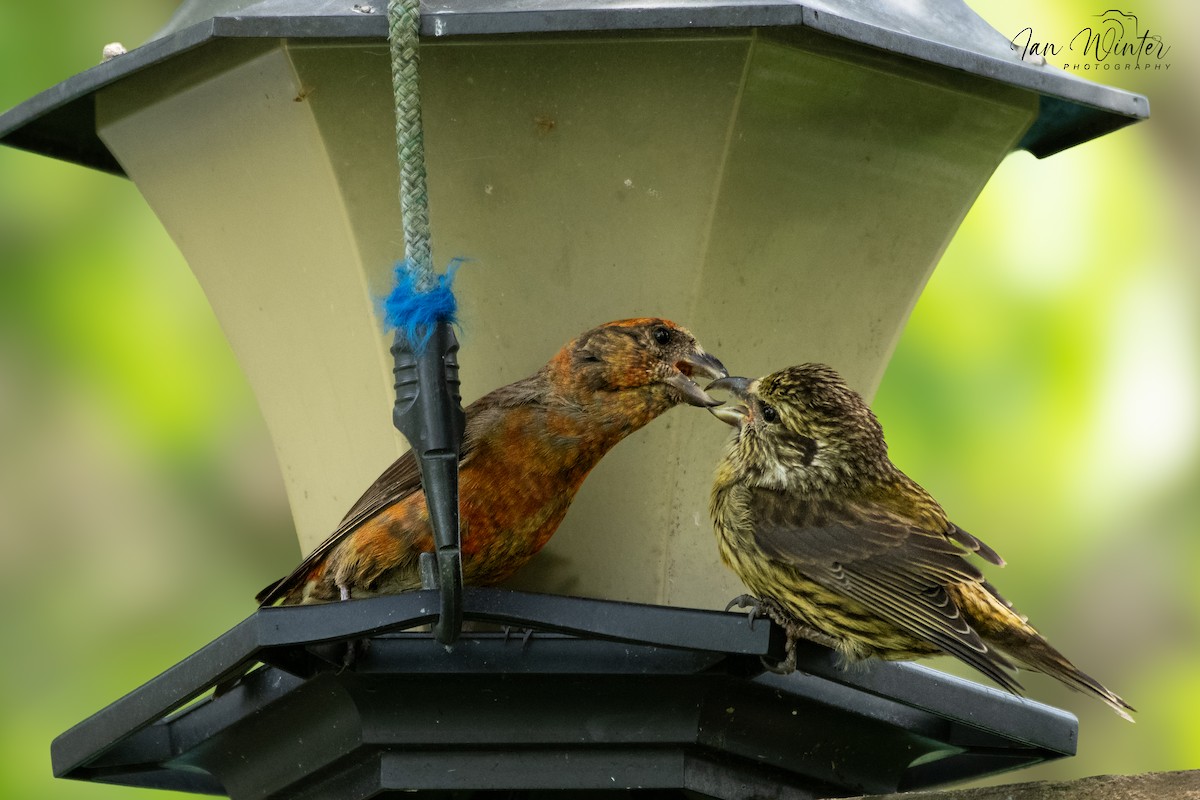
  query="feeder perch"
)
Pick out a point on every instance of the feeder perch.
point(780, 177)
point(625, 699)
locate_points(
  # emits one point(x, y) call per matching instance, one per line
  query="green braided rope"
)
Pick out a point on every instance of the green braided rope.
point(404, 23)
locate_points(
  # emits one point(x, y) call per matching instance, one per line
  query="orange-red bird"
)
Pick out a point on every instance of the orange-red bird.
point(526, 449)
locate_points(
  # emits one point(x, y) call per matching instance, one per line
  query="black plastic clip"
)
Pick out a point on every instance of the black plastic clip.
point(429, 413)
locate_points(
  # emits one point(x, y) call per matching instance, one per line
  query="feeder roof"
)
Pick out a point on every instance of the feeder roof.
point(60, 122)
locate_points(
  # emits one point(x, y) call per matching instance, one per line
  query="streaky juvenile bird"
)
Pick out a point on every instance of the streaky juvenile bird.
point(841, 547)
point(527, 448)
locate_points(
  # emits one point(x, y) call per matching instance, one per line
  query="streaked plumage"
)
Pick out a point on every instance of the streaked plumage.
point(844, 548)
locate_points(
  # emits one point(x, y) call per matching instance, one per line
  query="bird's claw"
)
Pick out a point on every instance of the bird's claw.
point(340, 656)
point(355, 650)
point(785, 667)
point(756, 606)
point(525, 636)
point(768, 609)
point(795, 632)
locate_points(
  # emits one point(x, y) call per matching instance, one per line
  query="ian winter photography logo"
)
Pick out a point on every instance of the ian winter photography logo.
point(1114, 40)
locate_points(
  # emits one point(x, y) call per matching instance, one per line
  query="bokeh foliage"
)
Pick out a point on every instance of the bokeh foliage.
point(1045, 389)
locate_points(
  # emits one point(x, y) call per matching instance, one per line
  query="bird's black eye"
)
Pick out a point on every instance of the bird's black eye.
point(661, 335)
point(769, 413)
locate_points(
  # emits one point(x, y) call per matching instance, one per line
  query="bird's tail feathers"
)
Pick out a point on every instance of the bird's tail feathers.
point(1029, 648)
point(995, 666)
point(270, 593)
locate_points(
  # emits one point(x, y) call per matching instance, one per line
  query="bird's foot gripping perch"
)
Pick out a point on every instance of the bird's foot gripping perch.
point(765, 608)
point(341, 656)
point(525, 635)
point(758, 609)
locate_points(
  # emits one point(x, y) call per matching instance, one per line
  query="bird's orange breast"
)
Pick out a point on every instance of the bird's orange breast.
point(514, 490)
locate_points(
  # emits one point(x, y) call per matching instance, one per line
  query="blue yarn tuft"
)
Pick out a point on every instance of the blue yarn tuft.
point(416, 313)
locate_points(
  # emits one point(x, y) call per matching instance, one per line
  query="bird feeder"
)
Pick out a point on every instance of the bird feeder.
point(781, 177)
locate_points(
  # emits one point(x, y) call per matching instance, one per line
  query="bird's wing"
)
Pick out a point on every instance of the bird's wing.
point(974, 544)
point(403, 478)
point(396, 483)
point(896, 568)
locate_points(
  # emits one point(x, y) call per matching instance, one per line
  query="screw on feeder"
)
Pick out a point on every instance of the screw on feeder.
point(428, 408)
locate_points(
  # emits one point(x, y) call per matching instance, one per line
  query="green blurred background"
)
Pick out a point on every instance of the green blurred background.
point(1046, 390)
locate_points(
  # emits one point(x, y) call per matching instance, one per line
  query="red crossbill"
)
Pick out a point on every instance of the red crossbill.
point(527, 448)
point(843, 548)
